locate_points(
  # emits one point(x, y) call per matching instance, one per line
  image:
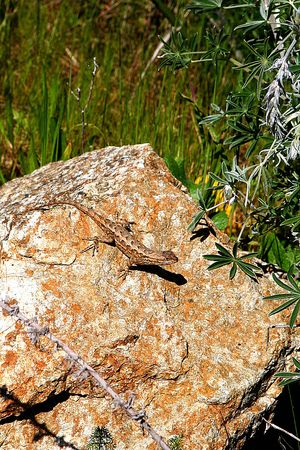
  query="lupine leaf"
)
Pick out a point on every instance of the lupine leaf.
point(223, 250)
point(200, 6)
point(289, 381)
point(196, 220)
point(224, 257)
point(292, 281)
point(297, 363)
point(289, 377)
point(278, 297)
point(249, 255)
point(283, 285)
point(286, 374)
point(217, 265)
point(247, 270)
point(218, 258)
point(282, 307)
point(295, 314)
point(233, 271)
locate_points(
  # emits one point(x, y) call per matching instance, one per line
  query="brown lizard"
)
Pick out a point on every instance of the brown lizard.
point(116, 234)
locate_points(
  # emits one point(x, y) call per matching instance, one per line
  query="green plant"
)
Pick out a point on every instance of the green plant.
point(47, 47)
point(291, 297)
point(224, 258)
point(289, 377)
point(176, 442)
point(178, 53)
point(101, 439)
point(257, 121)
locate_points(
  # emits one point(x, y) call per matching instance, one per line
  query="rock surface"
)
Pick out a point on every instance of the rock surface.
point(190, 343)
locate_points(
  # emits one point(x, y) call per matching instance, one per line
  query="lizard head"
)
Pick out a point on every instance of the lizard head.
point(170, 257)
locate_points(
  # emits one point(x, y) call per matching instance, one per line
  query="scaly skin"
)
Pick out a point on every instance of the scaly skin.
point(116, 234)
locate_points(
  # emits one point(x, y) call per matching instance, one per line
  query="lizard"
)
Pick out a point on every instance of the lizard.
point(119, 236)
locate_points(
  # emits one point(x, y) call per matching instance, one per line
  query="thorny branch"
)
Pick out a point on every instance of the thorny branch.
point(35, 331)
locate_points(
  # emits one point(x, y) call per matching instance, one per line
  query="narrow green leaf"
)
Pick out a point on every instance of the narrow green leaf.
point(292, 281)
point(216, 178)
point(196, 220)
point(234, 142)
point(251, 25)
point(251, 148)
point(200, 6)
point(291, 221)
point(248, 271)
point(249, 255)
point(223, 250)
point(286, 382)
point(282, 307)
point(294, 314)
point(233, 270)
point(211, 119)
point(217, 258)
point(286, 374)
point(217, 265)
point(235, 249)
point(280, 297)
point(297, 363)
point(249, 266)
point(282, 285)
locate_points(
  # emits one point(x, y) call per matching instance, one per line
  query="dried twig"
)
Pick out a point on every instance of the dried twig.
point(281, 429)
point(270, 327)
point(82, 108)
point(36, 331)
point(166, 38)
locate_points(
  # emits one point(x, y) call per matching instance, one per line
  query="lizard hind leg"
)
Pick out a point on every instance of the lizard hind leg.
point(125, 271)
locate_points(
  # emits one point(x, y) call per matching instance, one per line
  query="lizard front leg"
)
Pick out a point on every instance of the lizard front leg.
point(104, 239)
point(130, 263)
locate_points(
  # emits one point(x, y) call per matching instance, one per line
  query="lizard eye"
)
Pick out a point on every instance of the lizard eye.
point(170, 255)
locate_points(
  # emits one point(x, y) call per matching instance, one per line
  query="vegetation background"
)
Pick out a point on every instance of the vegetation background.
point(47, 50)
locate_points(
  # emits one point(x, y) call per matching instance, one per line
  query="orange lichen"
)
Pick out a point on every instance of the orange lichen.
point(10, 358)
point(52, 286)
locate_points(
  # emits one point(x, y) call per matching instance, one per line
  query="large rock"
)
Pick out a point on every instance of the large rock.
point(190, 343)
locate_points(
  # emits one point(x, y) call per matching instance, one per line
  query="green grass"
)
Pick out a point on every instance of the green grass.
point(47, 49)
